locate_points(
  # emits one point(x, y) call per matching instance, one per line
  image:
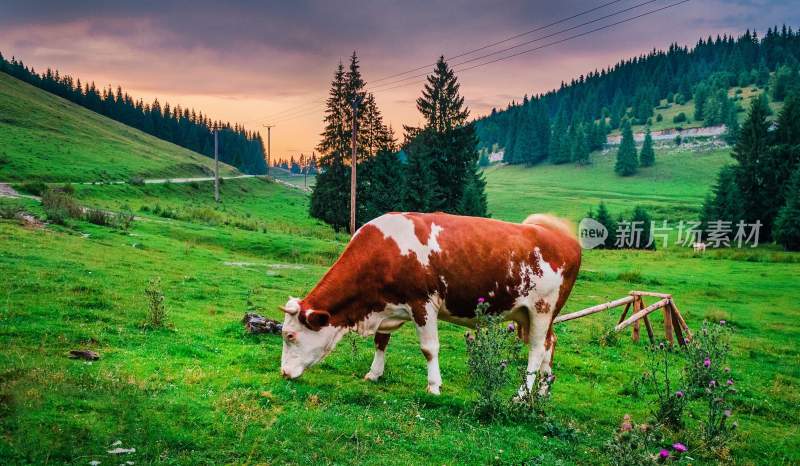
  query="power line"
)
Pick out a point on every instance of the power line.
point(549, 44)
point(529, 41)
point(516, 36)
point(283, 113)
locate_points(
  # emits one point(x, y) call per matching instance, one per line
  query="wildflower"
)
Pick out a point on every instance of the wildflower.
point(727, 413)
point(722, 322)
point(481, 300)
point(511, 327)
point(679, 447)
point(627, 425)
point(707, 363)
point(712, 383)
point(663, 454)
point(679, 394)
point(469, 337)
point(730, 382)
point(550, 378)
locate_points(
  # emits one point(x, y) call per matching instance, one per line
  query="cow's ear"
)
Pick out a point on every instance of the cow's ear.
point(317, 319)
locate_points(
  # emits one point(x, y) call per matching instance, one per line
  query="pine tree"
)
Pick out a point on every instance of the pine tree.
point(647, 157)
point(441, 105)
point(580, 151)
point(383, 185)
point(640, 219)
point(752, 152)
point(627, 160)
point(787, 223)
point(604, 217)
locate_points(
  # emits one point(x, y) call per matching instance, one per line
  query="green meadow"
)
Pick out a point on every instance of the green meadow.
point(202, 391)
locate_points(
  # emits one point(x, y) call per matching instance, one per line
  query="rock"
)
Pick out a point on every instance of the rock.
point(255, 323)
point(84, 354)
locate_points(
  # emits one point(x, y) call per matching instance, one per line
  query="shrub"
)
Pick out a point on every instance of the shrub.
point(59, 206)
point(136, 181)
point(156, 310)
point(490, 352)
point(125, 218)
point(36, 188)
point(706, 358)
point(678, 140)
point(659, 117)
point(634, 444)
point(98, 217)
point(679, 118)
point(9, 208)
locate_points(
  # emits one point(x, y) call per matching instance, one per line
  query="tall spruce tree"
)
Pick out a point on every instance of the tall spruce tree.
point(447, 147)
point(647, 157)
point(627, 160)
point(580, 150)
point(753, 172)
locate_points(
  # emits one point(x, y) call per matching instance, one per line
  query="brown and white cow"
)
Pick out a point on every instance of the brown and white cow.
point(412, 267)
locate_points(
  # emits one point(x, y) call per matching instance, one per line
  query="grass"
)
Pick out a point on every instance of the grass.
point(673, 188)
point(203, 392)
point(40, 131)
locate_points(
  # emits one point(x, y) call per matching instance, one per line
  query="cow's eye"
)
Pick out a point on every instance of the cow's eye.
point(290, 336)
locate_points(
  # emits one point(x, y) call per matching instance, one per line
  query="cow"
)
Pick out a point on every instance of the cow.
point(699, 247)
point(422, 268)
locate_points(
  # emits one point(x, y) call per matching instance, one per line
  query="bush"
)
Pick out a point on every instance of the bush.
point(678, 140)
point(156, 310)
point(36, 188)
point(136, 181)
point(679, 118)
point(634, 444)
point(125, 218)
point(98, 217)
point(59, 206)
point(659, 117)
point(9, 208)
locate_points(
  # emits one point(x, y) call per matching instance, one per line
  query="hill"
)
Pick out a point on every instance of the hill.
point(46, 138)
point(706, 83)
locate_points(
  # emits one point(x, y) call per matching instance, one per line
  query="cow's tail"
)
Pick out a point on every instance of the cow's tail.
point(553, 223)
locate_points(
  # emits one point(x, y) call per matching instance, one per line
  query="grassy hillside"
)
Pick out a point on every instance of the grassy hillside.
point(674, 188)
point(203, 392)
point(46, 138)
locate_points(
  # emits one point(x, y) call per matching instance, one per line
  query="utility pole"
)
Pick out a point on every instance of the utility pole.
point(269, 144)
point(356, 102)
point(216, 162)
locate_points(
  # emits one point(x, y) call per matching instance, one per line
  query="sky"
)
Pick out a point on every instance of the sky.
point(271, 62)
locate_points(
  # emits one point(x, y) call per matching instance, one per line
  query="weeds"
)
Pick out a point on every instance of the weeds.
point(671, 402)
point(9, 208)
point(490, 351)
point(156, 310)
point(59, 206)
point(98, 217)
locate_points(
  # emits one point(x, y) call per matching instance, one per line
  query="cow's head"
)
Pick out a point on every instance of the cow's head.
point(308, 337)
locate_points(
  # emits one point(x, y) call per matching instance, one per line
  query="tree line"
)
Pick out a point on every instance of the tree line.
point(184, 127)
point(764, 186)
point(434, 169)
point(560, 124)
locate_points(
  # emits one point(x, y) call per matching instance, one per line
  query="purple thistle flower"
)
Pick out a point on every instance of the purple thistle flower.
point(730, 382)
point(679, 447)
point(663, 454)
point(481, 300)
point(511, 327)
point(722, 322)
point(679, 394)
point(707, 363)
point(727, 413)
point(712, 384)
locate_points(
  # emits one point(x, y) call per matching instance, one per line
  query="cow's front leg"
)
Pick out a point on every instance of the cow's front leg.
point(428, 333)
point(379, 361)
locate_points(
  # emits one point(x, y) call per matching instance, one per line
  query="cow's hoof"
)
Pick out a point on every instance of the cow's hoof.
point(372, 377)
point(434, 390)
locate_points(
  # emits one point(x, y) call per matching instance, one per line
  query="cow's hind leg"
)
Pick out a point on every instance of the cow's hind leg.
point(428, 333)
point(379, 361)
point(546, 369)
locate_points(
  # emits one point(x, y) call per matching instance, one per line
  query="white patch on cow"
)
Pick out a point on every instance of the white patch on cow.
point(400, 229)
point(377, 367)
point(444, 282)
point(307, 346)
point(491, 294)
point(429, 342)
